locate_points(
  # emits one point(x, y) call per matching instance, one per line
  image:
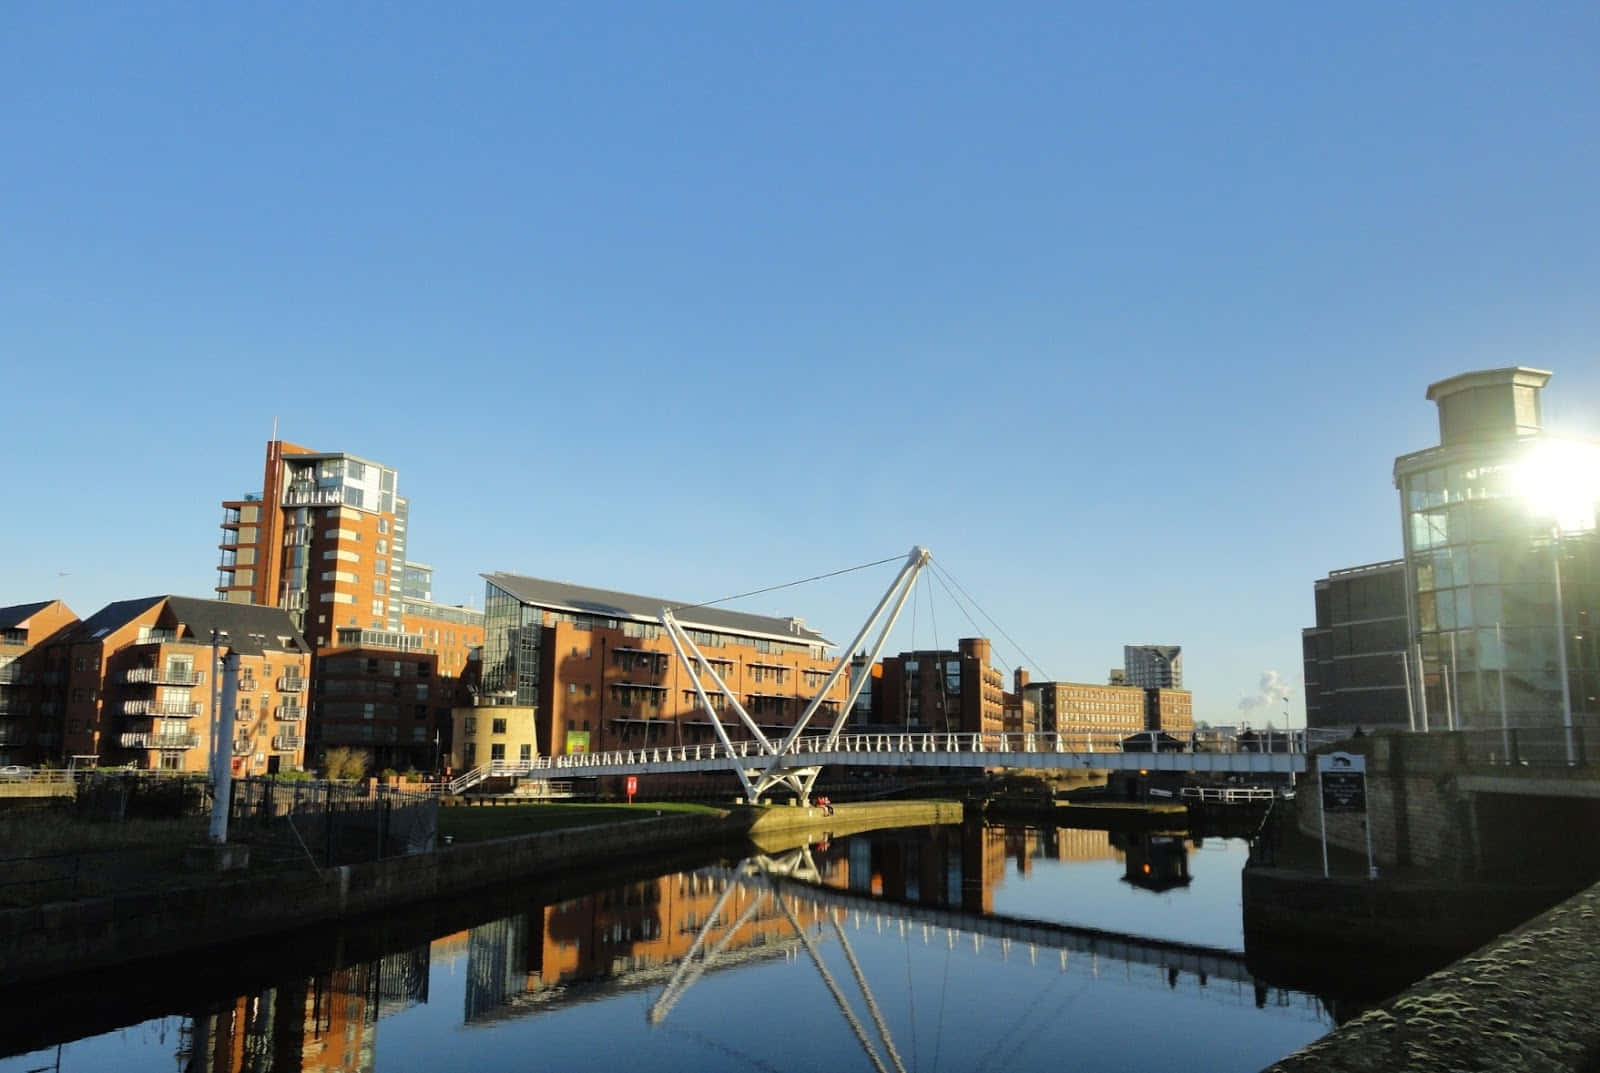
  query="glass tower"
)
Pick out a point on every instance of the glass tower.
point(1485, 562)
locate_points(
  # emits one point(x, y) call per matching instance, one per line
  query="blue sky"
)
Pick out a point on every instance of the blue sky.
point(1123, 310)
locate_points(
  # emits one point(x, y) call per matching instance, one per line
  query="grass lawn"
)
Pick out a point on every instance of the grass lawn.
point(466, 823)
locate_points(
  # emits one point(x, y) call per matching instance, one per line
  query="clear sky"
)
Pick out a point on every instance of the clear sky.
point(1124, 310)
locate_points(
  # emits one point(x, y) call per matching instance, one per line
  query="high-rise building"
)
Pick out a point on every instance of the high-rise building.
point(325, 540)
point(1355, 656)
point(1499, 533)
point(1153, 666)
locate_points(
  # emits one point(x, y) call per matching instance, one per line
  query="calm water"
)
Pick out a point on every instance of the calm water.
point(896, 950)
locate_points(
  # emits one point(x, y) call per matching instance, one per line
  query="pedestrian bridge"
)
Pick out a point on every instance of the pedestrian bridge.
point(979, 751)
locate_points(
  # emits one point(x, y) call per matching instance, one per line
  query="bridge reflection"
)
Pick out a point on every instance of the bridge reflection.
point(929, 887)
point(657, 937)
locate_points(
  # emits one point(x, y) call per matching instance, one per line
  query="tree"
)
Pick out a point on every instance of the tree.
point(343, 763)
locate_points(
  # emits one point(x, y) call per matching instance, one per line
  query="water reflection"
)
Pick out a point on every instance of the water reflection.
point(699, 967)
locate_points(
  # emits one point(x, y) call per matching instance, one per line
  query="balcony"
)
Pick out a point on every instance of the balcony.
point(12, 674)
point(289, 712)
point(13, 709)
point(14, 735)
point(172, 676)
point(291, 683)
point(242, 747)
point(164, 740)
point(285, 743)
point(165, 707)
point(307, 496)
point(244, 715)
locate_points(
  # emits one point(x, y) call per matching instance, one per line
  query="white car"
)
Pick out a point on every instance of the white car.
point(15, 771)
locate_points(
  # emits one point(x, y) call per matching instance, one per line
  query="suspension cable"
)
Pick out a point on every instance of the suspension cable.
point(786, 585)
point(939, 567)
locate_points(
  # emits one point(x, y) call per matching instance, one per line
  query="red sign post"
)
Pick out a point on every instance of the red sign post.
point(633, 787)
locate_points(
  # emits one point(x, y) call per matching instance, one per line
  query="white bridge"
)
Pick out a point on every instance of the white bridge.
point(762, 763)
point(906, 750)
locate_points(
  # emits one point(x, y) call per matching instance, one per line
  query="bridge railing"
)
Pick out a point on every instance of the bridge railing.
point(930, 742)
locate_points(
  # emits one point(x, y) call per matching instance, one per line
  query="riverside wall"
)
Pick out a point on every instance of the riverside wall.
point(1523, 1001)
point(37, 942)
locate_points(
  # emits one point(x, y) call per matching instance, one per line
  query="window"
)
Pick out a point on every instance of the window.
point(497, 752)
point(377, 607)
point(525, 753)
point(469, 755)
point(383, 525)
point(499, 726)
point(383, 547)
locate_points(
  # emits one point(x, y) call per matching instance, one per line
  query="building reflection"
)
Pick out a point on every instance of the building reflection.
point(638, 934)
point(634, 936)
point(326, 1024)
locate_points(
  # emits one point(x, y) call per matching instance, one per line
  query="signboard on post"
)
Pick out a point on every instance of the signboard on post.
point(633, 787)
point(1342, 786)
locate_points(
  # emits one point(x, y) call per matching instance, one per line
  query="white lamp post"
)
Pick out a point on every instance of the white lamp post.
point(1561, 482)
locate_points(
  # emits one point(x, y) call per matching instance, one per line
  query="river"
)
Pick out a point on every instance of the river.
point(957, 948)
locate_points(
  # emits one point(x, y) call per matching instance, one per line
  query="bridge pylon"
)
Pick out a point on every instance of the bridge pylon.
point(777, 762)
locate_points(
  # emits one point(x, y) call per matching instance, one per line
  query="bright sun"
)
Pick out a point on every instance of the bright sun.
point(1560, 480)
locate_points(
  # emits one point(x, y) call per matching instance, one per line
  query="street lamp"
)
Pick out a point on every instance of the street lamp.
point(1561, 484)
point(224, 693)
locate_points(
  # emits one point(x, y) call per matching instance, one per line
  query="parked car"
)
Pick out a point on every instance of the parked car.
point(15, 771)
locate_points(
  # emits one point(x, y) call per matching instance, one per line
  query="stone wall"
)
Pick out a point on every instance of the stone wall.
point(1524, 1001)
point(40, 941)
point(1419, 815)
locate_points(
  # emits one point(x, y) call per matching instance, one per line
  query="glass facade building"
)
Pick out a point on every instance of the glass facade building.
point(511, 642)
point(1486, 566)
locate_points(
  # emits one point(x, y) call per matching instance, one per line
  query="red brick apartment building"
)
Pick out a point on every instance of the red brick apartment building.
point(141, 688)
point(32, 681)
point(569, 669)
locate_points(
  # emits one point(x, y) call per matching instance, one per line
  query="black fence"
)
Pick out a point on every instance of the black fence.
point(333, 823)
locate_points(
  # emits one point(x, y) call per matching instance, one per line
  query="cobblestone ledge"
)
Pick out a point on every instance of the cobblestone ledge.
point(1523, 1002)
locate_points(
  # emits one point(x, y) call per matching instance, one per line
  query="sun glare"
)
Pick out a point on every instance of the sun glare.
point(1561, 481)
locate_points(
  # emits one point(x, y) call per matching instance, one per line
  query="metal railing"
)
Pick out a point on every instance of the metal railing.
point(287, 743)
point(291, 684)
point(1227, 795)
point(161, 707)
point(162, 740)
point(1524, 747)
point(289, 712)
point(1296, 741)
point(156, 675)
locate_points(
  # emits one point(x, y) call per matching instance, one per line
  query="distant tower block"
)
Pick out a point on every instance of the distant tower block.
point(1153, 666)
